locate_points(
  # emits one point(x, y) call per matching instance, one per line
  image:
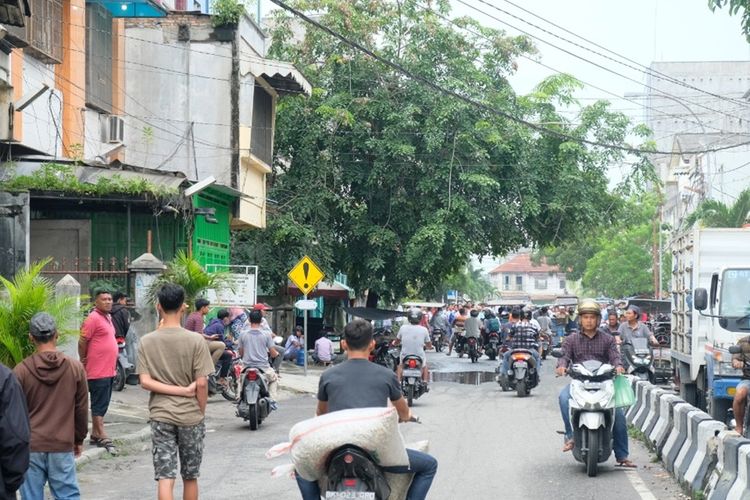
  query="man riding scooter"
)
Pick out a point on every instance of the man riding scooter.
point(740, 397)
point(414, 338)
point(521, 336)
point(592, 343)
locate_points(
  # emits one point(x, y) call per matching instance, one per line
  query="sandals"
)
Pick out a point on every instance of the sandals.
point(626, 464)
point(569, 445)
point(105, 443)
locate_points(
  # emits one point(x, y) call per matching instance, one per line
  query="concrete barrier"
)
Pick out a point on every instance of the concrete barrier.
point(702, 454)
point(677, 435)
point(725, 474)
point(639, 402)
point(652, 417)
point(665, 422)
point(740, 490)
point(646, 407)
point(682, 461)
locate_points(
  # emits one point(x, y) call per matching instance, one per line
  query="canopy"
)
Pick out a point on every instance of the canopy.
point(423, 304)
point(372, 313)
point(134, 8)
point(325, 289)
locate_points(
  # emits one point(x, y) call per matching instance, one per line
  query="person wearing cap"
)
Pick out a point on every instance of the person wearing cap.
point(293, 344)
point(120, 314)
point(14, 433)
point(57, 399)
point(632, 328)
point(264, 326)
point(98, 351)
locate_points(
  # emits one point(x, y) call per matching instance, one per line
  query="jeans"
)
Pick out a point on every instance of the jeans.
point(226, 363)
point(619, 433)
point(506, 362)
point(59, 469)
point(422, 465)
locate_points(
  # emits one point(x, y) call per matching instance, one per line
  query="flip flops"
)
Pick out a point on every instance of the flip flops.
point(626, 464)
point(105, 443)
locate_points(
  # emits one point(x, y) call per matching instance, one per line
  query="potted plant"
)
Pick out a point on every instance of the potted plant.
point(225, 17)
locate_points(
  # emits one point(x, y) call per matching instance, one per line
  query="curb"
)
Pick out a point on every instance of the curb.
point(96, 453)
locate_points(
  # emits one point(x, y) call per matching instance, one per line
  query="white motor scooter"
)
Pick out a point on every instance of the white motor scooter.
point(592, 411)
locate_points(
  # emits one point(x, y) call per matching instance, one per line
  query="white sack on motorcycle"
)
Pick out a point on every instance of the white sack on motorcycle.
point(374, 429)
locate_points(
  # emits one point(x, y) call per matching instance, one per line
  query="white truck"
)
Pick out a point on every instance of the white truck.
point(710, 312)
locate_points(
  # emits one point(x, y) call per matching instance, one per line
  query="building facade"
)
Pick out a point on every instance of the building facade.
point(520, 277)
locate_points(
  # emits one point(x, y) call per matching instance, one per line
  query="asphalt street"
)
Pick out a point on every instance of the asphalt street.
point(489, 445)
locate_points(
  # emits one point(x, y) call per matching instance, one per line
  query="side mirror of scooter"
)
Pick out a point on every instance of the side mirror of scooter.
point(735, 349)
point(557, 353)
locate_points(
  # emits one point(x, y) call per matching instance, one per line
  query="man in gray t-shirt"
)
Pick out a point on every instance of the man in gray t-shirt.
point(413, 339)
point(255, 347)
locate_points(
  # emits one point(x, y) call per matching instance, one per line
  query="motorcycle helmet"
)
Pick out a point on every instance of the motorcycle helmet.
point(589, 306)
point(414, 316)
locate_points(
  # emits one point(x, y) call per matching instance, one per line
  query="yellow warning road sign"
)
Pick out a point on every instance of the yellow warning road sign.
point(306, 275)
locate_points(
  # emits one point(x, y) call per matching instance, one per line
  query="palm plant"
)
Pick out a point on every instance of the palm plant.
point(25, 295)
point(187, 272)
point(713, 213)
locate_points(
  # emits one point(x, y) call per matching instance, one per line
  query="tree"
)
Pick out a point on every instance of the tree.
point(187, 272)
point(713, 213)
point(468, 281)
point(397, 185)
point(21, 298)
point(735, 6)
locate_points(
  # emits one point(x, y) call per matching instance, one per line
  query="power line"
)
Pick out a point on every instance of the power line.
point(577, 56)
point(470, 101)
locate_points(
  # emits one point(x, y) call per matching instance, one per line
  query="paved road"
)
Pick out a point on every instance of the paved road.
point(489, 444)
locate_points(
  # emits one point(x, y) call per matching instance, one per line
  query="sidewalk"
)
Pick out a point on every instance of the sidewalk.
point(126, 421)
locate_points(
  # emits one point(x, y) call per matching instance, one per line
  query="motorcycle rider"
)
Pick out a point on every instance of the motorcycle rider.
point(255, 346)
point(738, 362)
point(216, 331)
point(357, 383)
point(612, 326)
point(589, 343)
point(491, 325)
point(459, 325)
point(472, 327)
point(414, 339)
point(440, 322)
point(522, 335)
point(633, 328)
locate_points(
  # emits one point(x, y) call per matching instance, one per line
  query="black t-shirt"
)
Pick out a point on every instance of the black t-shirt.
point(358, 383)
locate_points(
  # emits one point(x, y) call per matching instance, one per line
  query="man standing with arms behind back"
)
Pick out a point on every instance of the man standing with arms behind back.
point(98, 351)
point(57, 398)
point(174, 363)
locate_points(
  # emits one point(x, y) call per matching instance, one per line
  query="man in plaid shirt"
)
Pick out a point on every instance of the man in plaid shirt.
point(592, 343)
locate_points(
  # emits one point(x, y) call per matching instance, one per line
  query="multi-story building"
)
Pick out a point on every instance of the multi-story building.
point(519, 277)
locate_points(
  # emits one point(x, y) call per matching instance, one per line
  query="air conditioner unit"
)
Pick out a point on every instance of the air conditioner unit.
point(113, 129)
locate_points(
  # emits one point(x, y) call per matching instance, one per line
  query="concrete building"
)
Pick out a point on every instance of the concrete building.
point(695, 106)
point(518, 277)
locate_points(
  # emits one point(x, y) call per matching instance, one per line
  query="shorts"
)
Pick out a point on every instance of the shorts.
point(743, 383)
point(169, 440)
point(100, 390)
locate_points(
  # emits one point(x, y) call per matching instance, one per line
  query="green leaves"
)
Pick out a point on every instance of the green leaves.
point(713, 213)
point(188, 273)
point(735, 6)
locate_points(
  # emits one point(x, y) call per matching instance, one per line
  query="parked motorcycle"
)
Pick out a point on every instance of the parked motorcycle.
point(640, 359)
point(522, 373)
point(229, 391)
point(411, 378)
point(592, 411)
point(438, 337)
point(492, 348)
point(124, 368)
point(386, 353)
point(354, 473)
point(255, 400)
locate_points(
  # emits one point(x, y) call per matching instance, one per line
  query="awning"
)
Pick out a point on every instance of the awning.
point(134, 8)
point(282, 76)
point(372, 313)
point(325, 289)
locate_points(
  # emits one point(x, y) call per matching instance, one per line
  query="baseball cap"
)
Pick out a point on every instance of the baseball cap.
point(260, 307)
point(42, 325)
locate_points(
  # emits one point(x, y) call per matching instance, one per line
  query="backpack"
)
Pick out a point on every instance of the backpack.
point(493, 325)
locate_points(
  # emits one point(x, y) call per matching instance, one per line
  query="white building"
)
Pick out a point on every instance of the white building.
point(519, 277)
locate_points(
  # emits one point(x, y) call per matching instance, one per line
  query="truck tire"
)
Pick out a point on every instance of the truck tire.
point(689, 392)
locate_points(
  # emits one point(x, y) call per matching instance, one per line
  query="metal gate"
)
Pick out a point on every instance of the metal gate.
point(14, 233)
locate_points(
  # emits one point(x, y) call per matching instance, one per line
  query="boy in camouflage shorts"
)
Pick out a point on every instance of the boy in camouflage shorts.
point(173, 363)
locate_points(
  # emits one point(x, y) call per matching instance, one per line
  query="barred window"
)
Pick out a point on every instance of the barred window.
point(99, 57)
point(44, 30)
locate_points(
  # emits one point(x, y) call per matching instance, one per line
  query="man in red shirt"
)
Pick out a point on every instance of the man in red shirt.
point(98, 351)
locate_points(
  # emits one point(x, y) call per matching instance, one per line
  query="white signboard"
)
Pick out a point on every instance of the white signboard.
point(241, 290)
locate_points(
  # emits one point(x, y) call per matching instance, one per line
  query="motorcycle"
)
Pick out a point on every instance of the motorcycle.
point(592, 411)
point(492, 348)
point(472, 349)
point(386, 353)
point(546, 342)
point(522, 373)
point(438, 337)
point(124, 368)
point(229, 391)
point(411, 378)
point(640, 359)
point(255, 400)
point(354, 473)
point(735, 349)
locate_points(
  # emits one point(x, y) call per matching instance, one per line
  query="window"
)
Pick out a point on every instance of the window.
point(261, 142)
point(506, 282)
point(540, 283)
point(44, 30)
point(99, 57)
point(519, 282)
point(562, 284)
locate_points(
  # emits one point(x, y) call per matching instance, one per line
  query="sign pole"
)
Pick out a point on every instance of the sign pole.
point(304, 330)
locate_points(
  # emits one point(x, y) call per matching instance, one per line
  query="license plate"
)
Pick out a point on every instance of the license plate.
point(520, 364)
point(412, 373)
point(366, 495)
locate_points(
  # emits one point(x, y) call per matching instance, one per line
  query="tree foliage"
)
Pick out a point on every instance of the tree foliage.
point(397, 185)
point(187, 272)
point(735, 7)
point(470, 282)
point(713, 213)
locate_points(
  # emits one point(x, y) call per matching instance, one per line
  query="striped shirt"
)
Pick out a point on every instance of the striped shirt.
point(578, 348)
